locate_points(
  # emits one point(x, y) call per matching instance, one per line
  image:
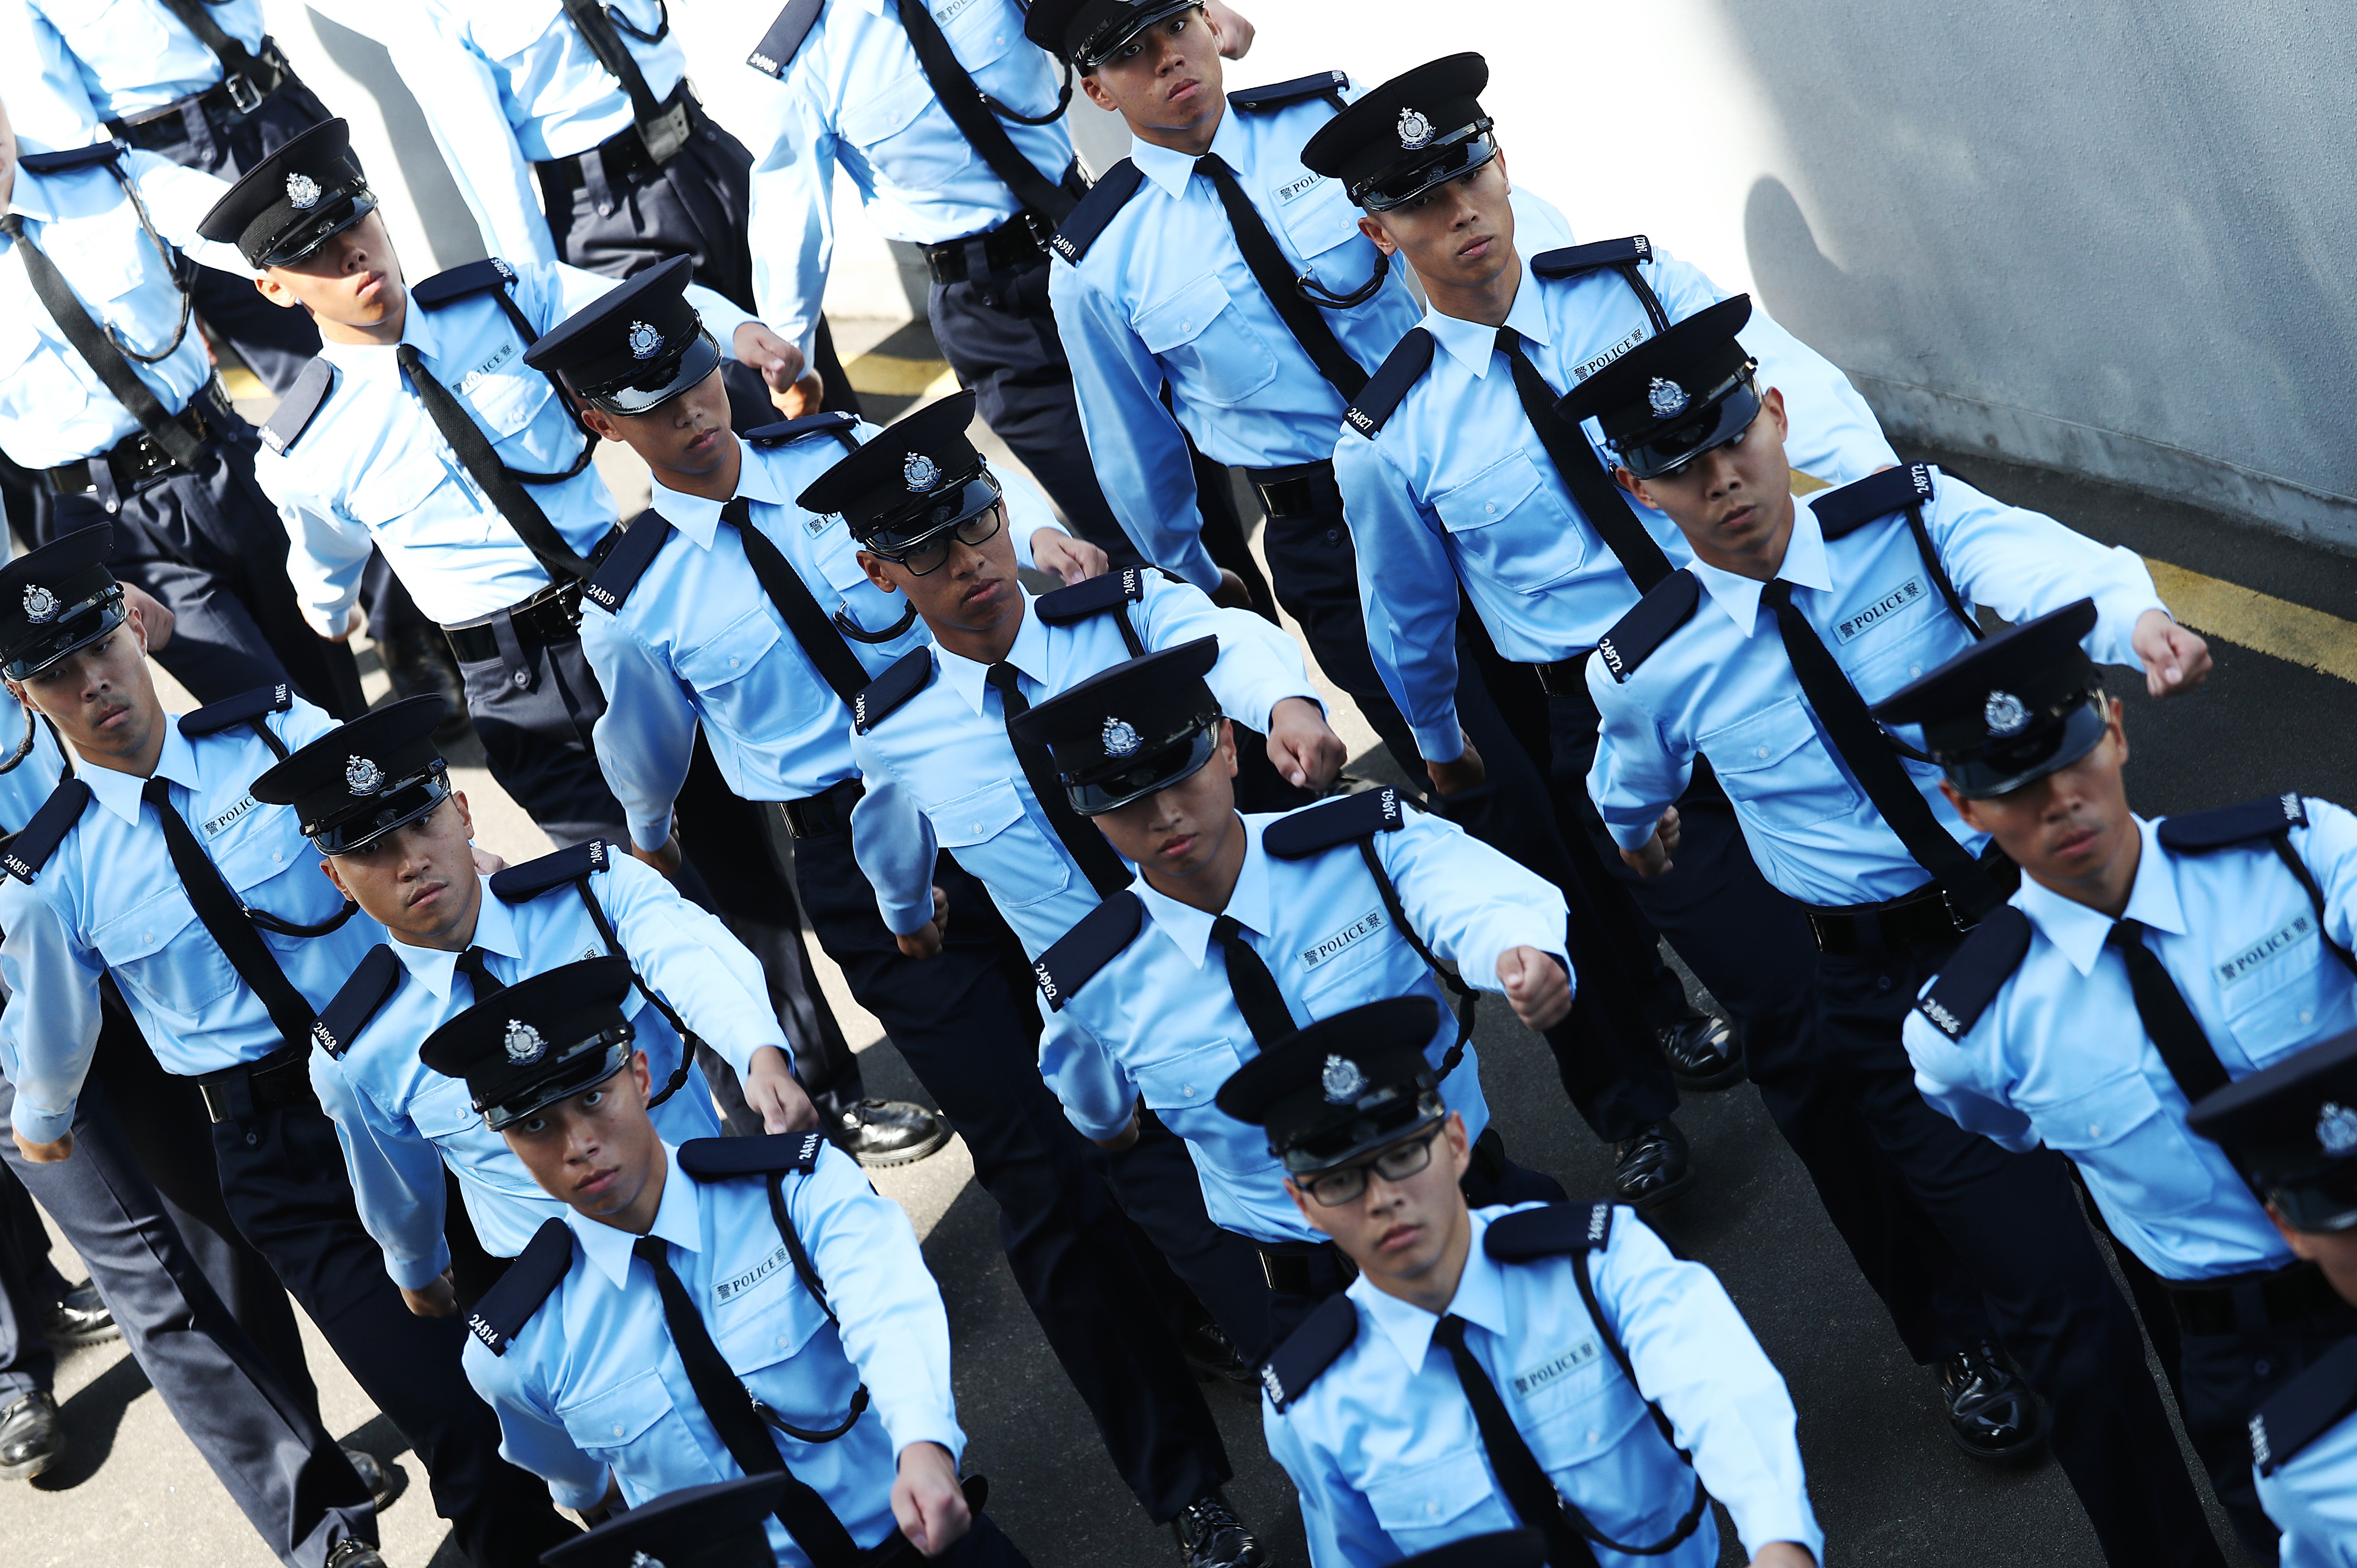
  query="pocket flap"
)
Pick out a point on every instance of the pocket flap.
point(1761, 741)
point(729, 653)
point(619, 1414)
point(978, 817)
point(1180, 318)
point(1422, 1499)
point(1490, 495)
point(2099, 1116)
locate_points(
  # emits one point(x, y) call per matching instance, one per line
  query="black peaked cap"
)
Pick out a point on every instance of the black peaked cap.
point(1128, 731)
point(542, 1039)
point(362, 779)
point(910, 480)
point(1340, 1085)
point(1421, 127)
point(1681, 392)
point(636, 347)
point(2012, 708)
point(722, 1525)
point(56, 599)
point(294, 201)
point(1086, 31)
point(2292, 1127)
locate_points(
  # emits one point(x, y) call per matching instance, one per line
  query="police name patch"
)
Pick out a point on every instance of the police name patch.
point(474, 378)
point(1851, 627)
point(2244, 964)
point(728, 1289)
point(1531, 1379)
point(1589, 367)
point(1341, 941)
point(214, 826)
point(947, 13)
point(1293, 189)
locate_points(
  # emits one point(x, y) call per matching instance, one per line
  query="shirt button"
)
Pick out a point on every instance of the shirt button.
point(2095, 1129)
point(781, 1341)
point(1914, 670)
point(733, 663)
point(147, 936)
point(1431, 1508)
point(1187, 1090)
point(276, 858)
point(2307, 1015)
point(617, 1429)
point(977, 829)
point(1763, 754)
point(1492, 508)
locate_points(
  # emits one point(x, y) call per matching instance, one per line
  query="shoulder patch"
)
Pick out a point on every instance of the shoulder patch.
point(1277, 95)
point(508, 1306)
point(837, 425)
point(459, 282)
point(2304, 1409)
point(1401, 369)
point(348, 1011)
point(94, 155)
point(1573, 260)
point(717, 1159)
point(1553, 1231)
point(26, 854)
point(1092, 596)
point(784, 39)
point(1097, 208)
point(1634, 638)
point(1975, 973)
point(1301, 834)
point(1851, 506)
point(1074, 957)
point(1308, 1350)
point(299, 406)
point(243, 708)
point(2197, 831)
point(515, 883)
point(626, 560)
point(902, 679)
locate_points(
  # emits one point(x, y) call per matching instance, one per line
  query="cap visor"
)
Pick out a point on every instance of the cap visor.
point(585, 1069)
point(412, 802)
point(663, 383)
point(1393, 1123)
point(973, 497)
point(2326, 1203)
point(1170, 765)
point(1993, 772)
point(71, 632)
point(333, 217)
point(1100, 48)
point(1461, 155)
point(1673, 449)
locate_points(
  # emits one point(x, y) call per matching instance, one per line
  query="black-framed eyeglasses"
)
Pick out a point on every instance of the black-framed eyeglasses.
point(1348, 1184)
point(933, 553)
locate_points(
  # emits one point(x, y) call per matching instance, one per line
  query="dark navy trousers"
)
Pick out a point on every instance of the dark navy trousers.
point(30, 1289)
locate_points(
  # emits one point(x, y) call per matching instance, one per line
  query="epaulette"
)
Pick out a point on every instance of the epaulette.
point(241, 709)
point(508, 1304)
point(1098, 208)
point(1573, 260)
point(348, 1011)
point(516, 884)
point(1308, 1350)
point(717, 1159)
point(1975, 973)
point(1401, 369)
point(632, 551)
point(1633, 638)
point(2197, 831)
point(1297, 835)
point(1851, 506)
point(1092, 596)
point(1325, 85)
point(902, 679)
point(38, 839)
point(834, 423)
point(72, 158)
point(1553, 1231)
point(299, 406)
point(1073, 959)
point(2305, 1409)
point(459, 282)
point(784, 39)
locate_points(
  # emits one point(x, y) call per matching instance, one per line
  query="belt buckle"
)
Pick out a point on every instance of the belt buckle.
point(1033, 224)
point(244, 96)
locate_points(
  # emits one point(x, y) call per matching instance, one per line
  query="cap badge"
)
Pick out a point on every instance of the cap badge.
point(2336, 1130)
point(1666, 398)
point(1121, 738)
point(301, 192)
point(640, 1560)
point(920, 471)
point(40, 604)
point(645, 342)
point(1341, 1080)
point(524, 1043)
point(2005, 714)
point(1415, 130)
point(361, 775)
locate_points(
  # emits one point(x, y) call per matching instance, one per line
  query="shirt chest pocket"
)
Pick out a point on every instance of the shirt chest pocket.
point(104, 264)
point(1416, 1506)
point(1512, 526)
point(636, 1413)
point(1777, 768)
point(1186, 1080)
point(1317, 220)
point(506, 397)
point(764, 1314)
point(2131, 1147)
point(1198, 331)
point(124, 29)
point(2280, 989)
point(729, 654)
point(392, 490)
point(887, 122)
point(166, 957)
point(996, 839)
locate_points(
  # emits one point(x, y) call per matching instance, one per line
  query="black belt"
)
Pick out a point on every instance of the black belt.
point(2246, 1302)
point(552, 615)
point(625, 154)
point(139, 456)
point(230, 99)
point(1296, 490)
point(824, 814)
point(1286, 1267)
point(1921, 919)
point(279, 1080)
point(1019, 243)
point(1564, 677)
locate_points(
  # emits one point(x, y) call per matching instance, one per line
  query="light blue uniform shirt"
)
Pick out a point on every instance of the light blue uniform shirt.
point(1163, 296)
point(593, 1385)
point(401, 1121)
point(2060, 1058)
point(371, 471)
point(109, 902)
point(2313, 1501)
point(854, 96)
point(698, 642)
point(1722, 686)
point(67, 67)
point(24, 787)
point(1389, 1462)
point(53, 407)
point(1161, 1022)
point(1457, 488)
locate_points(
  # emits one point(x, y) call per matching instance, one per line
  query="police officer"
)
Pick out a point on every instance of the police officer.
point(374, 799)
point(155, 866)
point(1763, 655)
point(2291, 1130)
point(1238, 928)
point(1459, 1385)
point(746, 1306)
point(2225, 934)
point(721, 1524)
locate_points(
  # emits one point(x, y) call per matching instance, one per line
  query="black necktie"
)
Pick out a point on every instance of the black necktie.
point(1521, 1477)
point(2167, 1018)
point(971, 112)
point(596, 26)
point(1256, 990)
point(729, 1408)
point(222, 913)
point(1281, 282)
point(474, 964)
point(1971, 892)
point(820, 641)
point(1583, 475)
point(483, 465)
point(1082, 841)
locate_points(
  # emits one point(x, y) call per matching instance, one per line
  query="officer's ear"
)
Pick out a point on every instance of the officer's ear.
point(1373, 228)
point(1965, 808)
point(327, 869)
point(16, 690)
point(874, 565)
point(598, 420)
point(271, 288)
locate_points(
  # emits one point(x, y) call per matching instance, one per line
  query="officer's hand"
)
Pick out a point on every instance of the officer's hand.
point(1235, 29)
point(802, 397)
point(1538, 988)
point(1303, 746)
point(665, 860)
point(775, 1097)
point(153, 618)
point(1784, 1555)
point(1073, 560)
point(1651, 858)
point(1466, 772)
point(926, 1500)
point(780, 363)
point(607, 1506)
point(488, 862)
point(439, 1298)
point(2175, 659)
point(925, 941)
point(1231, 593)
point(1121, 1140)
point(47, 1153)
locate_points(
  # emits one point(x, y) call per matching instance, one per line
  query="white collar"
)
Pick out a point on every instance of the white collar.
point(495, 932)
point(1189, 928)
point(1480, 1299)
point(678, 1221)
point(1474, 346)
point(120, 792)
point(698, 518)
point(1807, 565)
point(1171, 170)
point(1030, 655)
point(2079, 932)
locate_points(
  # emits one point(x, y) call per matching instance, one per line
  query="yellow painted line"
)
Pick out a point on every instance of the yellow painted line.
point(1802, 484)
point(2257, 621)
point(242, 383)
point(890, 375)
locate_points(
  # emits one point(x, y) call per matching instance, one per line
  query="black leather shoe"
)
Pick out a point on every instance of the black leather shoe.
point(418, 662)
point(81, 1319)
point(1214, 1356)
point(353, 1553)
point(31, 1440)
point(383, 1481)
point(1993, 1415)
point(1703, 1053)
point(1210, 1536)
point(1652, 1167)
point(890, 1133)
